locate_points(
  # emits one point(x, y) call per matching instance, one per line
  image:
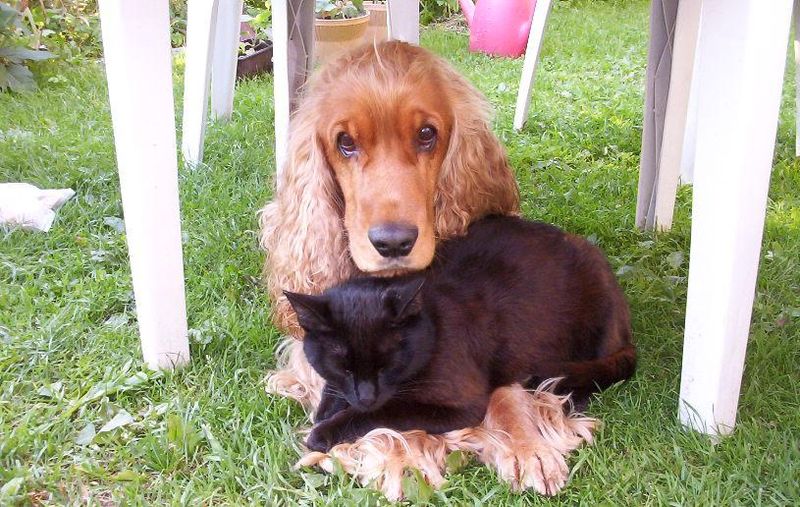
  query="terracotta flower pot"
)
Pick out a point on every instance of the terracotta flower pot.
point(377, 29)
point(335, 36)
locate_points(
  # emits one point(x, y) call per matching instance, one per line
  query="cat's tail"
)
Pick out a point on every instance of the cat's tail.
point(592, 375)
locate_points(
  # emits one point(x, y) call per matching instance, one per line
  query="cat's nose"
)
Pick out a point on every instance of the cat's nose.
point(393, 240)
point(366, 393)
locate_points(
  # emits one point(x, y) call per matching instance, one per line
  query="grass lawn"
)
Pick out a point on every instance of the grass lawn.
point(70, 364)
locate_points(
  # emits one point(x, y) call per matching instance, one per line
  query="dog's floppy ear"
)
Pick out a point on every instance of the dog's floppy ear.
point(402, 300)
point(313, 312)
point(476, 179)
point(301, 229)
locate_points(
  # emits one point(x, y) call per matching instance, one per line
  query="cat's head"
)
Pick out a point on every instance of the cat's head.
point(366, 337)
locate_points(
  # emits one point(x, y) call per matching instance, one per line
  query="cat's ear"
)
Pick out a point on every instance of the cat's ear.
point(403, 301)
point(313, 312)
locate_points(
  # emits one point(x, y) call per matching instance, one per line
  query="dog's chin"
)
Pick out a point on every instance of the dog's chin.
point(375, 265)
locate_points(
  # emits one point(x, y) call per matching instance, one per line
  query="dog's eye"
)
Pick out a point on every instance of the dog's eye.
point(426, 138)
point(346, 144)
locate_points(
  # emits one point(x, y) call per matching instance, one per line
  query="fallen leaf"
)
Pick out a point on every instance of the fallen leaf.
point(11, 488)
point(675, 259)
point(115, 223)
point(121, 419)
point(86, 435)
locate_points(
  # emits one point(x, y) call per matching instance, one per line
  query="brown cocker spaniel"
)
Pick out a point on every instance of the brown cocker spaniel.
point(391, 151)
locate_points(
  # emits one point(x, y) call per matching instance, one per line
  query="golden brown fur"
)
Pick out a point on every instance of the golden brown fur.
point(314, 233)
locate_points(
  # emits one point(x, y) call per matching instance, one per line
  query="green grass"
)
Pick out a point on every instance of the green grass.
point(69, 351)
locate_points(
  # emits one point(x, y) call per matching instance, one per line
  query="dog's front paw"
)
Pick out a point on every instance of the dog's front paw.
point(542, 468)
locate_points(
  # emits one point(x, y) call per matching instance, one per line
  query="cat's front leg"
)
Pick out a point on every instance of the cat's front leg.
point(346, 425)
point(332, 402)
point(349, 424)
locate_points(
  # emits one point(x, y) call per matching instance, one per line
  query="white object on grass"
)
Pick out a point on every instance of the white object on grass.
point(29, 207)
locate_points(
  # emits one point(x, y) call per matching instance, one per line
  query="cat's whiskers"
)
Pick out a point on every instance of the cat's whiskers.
point(334, 392)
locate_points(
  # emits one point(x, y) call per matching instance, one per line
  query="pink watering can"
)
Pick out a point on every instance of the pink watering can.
point(499, 27)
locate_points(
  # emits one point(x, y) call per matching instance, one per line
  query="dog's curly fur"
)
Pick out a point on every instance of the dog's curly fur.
point(309, 229)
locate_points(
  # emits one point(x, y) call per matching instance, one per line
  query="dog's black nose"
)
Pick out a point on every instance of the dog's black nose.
point(393, 240)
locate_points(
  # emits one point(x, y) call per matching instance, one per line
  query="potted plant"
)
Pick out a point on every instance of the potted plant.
point(378, 27)
point(340, 25)
point(255, 42)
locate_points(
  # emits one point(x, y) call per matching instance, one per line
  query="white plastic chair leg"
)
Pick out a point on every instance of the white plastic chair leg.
point(742, 53)
point(226, 50)
point(138, 61)
point(538, 25)
point(687, 25)
point(663, 17)
point(293, 45)
point(403, 19)
point(200, 30)
point(796, 18)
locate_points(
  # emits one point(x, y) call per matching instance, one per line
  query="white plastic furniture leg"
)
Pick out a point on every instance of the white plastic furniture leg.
point(538, 25)
point(200, 30)
point(226, 50)
point(687, 25)
point(742, 53)
point(138, 61)
point(293, 34)
point(403, 18)
point(796, 16)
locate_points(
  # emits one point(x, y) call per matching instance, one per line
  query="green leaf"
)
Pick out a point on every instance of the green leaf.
point(8, 15)
point(4, 78)
point(624, 270)
point(20, 53)
point(218, 452)
point(20, 79)
point(126, 476)
point(415, 488)
point(455, 461)
point(11, 488)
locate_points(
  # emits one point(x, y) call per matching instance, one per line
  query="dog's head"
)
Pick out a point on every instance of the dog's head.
point(385, 128)
point(391, 126)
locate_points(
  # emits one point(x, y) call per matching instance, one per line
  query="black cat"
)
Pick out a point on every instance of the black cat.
point(512, 301)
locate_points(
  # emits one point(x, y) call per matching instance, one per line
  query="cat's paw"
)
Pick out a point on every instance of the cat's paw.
point(320, 439)
point(328, 408)
point(541, 468)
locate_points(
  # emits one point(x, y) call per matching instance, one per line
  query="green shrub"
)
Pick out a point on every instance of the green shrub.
point(16, 53)
point(434, 10)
